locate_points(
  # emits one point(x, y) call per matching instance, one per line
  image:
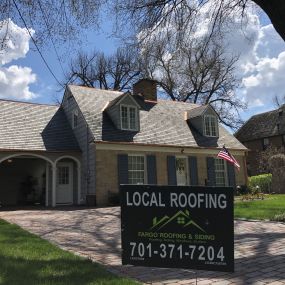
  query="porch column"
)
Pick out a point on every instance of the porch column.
point(78, 184)
point(54, 185)
point(47, 182)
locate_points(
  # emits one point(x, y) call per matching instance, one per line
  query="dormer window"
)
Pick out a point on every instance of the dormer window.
point(210, 126)
point(129, 118)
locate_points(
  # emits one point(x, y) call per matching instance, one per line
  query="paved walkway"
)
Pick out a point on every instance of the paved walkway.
point(95, 233)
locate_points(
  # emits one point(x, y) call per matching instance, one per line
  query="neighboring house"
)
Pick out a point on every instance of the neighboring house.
point(98, 139)
point(259, 132)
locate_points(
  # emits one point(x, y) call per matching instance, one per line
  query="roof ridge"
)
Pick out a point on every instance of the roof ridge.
point(94, 88)
point(271, 111)
point(178, 102)
point(29, 103)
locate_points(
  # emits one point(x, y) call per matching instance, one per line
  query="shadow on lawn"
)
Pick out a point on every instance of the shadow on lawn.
point(55, 271)
point(27, 259)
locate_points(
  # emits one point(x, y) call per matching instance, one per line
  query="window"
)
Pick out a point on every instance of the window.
point(265, 143)
point(181, 171)
point(75, 119)
point(129, 118)
point(210, 126)
point(63, 175)
point(136, 169)
point(220, 172)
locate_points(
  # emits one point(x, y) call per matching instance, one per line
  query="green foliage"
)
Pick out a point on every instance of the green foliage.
point(260, 183)
point(279, 217)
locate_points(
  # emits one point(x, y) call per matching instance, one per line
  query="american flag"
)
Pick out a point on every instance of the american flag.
point(225, 154)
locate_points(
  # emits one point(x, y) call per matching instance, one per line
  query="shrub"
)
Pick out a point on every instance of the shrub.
point(260, 183)
point(279, 217)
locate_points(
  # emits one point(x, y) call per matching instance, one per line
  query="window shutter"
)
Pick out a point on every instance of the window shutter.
point(231, 175)
point(171, 170)
point(123, 169)
point(151, 169)
point(211, 171)
point(193, 170)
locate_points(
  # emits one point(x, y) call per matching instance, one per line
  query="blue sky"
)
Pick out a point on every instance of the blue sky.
point(261, 67)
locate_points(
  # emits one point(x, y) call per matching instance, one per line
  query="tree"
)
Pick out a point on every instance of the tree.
point(277, 166)
point(116, 72)
point(278, 101)
point(146, 14)
point(193, 68)
point(59, 20)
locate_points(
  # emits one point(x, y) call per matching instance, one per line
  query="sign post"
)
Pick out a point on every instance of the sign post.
point(178, 227)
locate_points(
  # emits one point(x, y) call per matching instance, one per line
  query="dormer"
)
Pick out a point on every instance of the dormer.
point(205, 120)
point(124, 112)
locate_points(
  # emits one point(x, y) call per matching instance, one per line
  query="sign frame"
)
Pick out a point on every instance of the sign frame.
point(189, 227)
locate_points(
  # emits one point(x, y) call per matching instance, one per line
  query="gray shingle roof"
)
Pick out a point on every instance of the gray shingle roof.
point(263, 125)
point(198, 111)
point(27, 126)
point(161, 122)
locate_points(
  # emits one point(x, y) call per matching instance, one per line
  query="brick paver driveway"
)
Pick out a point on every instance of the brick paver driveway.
point(95, 233)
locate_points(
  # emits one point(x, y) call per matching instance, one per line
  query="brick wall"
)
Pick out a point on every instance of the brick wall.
point(255, 147)
point(107, 171)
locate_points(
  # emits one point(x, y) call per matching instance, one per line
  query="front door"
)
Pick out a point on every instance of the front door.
point(181, 171)
point(64, 190)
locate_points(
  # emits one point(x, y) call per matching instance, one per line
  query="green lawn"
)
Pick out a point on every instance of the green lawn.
point(268, 208)
point(28, 259)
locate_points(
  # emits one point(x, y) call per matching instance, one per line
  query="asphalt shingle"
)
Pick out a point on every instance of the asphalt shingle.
point(263, 125)
point(161, 123)
point(27, 126)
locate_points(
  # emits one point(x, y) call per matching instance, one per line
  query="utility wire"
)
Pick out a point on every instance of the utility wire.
point(48, 67)
point(51, 39)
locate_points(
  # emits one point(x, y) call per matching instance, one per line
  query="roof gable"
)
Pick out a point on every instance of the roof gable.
point(125, 98)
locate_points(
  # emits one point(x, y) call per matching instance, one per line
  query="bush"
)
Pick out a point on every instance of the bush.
point(260, 183)
point(279, 217)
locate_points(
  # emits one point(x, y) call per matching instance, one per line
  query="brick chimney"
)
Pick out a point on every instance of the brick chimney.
point(146, 88)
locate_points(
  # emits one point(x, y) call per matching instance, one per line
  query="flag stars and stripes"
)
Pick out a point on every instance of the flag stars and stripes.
point(225, 154)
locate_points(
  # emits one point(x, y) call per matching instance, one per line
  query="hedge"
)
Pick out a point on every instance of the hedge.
point(263, 181)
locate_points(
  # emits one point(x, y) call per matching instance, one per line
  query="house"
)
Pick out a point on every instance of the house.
point(259, 132)
point(98, 139)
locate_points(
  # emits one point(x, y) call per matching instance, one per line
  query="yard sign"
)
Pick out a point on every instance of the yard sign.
point(178, 227)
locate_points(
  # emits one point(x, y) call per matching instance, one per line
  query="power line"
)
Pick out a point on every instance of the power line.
point(46, 22)
point(45, 62)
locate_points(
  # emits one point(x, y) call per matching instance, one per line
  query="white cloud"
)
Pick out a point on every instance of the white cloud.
point(15, 80)
point(262, 61)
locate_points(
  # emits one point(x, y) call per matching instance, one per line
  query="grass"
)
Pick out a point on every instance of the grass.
point(28, 259)
point(268, 208)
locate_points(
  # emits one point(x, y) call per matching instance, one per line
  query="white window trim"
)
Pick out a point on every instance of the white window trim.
point(129, 118)
point(226, 172)
point(145, 165)
point(74, 113)
point(216, 124)
point(187, 168)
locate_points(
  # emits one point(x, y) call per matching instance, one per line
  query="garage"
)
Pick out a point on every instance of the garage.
point(23, 181)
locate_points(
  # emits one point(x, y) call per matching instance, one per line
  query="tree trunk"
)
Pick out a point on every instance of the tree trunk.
point(275, 10)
